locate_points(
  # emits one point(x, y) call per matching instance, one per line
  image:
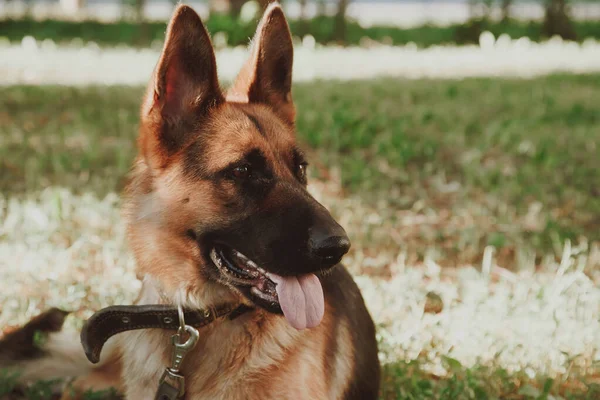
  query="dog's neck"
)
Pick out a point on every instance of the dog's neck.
point(153, 292)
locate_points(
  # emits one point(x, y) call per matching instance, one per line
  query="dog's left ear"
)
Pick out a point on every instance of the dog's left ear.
point(267, 76)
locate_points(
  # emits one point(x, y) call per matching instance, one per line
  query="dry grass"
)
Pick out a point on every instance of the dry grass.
point(67, 250)
point(502, 198)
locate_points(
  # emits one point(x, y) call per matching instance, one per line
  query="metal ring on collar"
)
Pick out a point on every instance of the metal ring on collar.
point(181, 329)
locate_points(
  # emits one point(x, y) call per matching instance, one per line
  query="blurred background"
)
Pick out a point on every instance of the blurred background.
point(456, 141)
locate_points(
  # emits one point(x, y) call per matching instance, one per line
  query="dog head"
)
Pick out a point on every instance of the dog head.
point(218, 206)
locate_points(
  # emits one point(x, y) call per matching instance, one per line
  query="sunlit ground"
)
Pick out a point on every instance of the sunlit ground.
point(472, 207)
point(44, 62)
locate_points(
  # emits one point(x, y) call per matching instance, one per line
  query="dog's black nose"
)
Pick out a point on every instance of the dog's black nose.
point(329, 245)
point(332, 249)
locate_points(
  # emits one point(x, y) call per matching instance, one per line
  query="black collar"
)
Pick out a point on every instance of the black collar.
point(116, 319)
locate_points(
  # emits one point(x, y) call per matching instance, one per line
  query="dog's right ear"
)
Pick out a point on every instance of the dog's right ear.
point(183, 89)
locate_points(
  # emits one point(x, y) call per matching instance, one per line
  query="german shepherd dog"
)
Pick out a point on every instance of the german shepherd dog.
point(218, 212)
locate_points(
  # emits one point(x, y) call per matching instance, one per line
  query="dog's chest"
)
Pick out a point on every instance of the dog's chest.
point(230, 362)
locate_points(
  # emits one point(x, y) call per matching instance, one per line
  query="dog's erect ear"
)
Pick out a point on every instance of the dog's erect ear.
point(183, 90)
point(267, 76)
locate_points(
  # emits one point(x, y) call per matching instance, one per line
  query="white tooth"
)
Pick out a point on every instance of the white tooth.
point(214, 256)
point(272, 278)
point(259, 269)
point(255, 291)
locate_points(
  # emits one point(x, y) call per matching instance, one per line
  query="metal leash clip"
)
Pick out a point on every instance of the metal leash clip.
point(172, 383)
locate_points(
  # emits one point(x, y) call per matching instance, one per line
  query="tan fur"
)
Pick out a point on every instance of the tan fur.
point(271, 39)
point(261, 353)
point(238, 92)
point(258, 355)
point(343, 364)
point(105, 377)
point(61, 355)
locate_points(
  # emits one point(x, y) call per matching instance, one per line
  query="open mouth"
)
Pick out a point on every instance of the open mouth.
point(300, 298)
point(242, 272)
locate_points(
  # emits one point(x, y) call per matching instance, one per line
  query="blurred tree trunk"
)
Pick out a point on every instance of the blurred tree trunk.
point(71, 7)
point(321, 7)
point(139, 6)
point(133, 9)
point(302, 4)
point(505, 7)
point(28, 7)
point(487, 8)
point(339, 27)
point(481, 9)
point(557, 21)
point(302, 23)
point(235, 6)
point(472, 6)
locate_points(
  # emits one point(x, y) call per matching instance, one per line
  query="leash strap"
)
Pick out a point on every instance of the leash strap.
point(116, 319)
point(166, 391)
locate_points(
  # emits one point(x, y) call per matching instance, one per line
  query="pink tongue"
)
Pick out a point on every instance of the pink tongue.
point(301, 299)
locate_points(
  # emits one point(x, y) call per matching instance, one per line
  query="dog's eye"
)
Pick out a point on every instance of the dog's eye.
point(302, 171)
point(241, 172)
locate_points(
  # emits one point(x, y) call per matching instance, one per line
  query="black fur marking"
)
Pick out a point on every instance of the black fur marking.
point(22, 344)
point(255, 122)
point(258, 161)
point(173, 133)
point(341, 292)
point(193, 161)
point(282, 75)
point(191, 234)
point(277, 230)
point(254, 187)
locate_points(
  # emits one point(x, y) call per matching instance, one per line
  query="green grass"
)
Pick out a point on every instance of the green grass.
point(406, 381)
point(10, 389)
point(508, 144)
point(238, 32)
point(484, 155)
point(504, 145)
